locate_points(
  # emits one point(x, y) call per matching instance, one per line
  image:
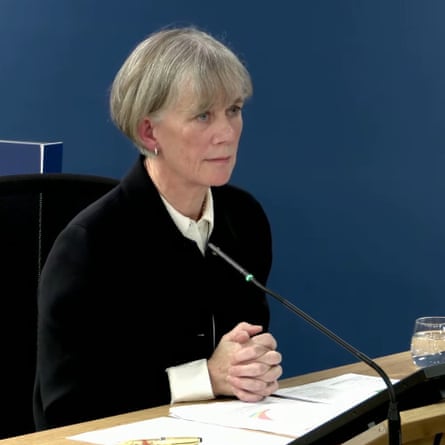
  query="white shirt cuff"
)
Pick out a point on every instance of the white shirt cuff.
point(190, 381)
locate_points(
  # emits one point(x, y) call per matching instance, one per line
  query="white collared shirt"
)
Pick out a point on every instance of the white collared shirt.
point(198, 231)
point(191, 381)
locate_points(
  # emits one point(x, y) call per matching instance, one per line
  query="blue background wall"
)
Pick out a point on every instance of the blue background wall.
point(344, 141)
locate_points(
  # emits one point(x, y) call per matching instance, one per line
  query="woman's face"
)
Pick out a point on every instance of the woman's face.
point(197, 148)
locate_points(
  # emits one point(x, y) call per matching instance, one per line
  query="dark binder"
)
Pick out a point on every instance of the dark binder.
point(424, 387)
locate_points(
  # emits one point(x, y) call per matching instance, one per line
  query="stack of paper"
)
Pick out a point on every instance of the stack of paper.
point(276, 420)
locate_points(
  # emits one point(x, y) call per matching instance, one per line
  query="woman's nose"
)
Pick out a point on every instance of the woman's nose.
point(225, 131)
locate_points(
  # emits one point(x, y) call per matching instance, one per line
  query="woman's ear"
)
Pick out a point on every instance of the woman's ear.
point(145, 134)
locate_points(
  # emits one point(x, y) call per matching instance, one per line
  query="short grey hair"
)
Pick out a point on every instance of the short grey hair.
point(156, 71)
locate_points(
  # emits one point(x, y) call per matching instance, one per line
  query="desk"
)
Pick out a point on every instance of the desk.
point(418, 424)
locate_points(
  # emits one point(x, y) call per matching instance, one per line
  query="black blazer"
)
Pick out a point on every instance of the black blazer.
point(124, 295)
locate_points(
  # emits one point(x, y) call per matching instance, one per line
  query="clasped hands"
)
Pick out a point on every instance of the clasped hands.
point(245, 364)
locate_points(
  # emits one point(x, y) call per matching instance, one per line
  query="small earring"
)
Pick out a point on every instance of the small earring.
point(156, 151)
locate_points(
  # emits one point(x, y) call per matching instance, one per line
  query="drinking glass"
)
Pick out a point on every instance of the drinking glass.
point(428, 341)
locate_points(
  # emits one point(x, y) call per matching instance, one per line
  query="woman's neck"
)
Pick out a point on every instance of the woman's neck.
point(188, 203)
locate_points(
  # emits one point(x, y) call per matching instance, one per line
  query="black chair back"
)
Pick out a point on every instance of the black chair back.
point(34, 208)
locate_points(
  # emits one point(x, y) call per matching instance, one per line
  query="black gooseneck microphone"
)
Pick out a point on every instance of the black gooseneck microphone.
point(394, 424)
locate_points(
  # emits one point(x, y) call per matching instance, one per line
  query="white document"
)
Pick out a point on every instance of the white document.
point(275, 415)
point(298, 410)
point(295, 412)
point(167, 426)
point(347, 389)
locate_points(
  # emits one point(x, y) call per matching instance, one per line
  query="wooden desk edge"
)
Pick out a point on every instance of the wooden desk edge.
point(396, 365)
point(419, 426)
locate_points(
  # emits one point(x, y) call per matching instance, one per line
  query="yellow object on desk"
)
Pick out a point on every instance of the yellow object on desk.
point(165, 441)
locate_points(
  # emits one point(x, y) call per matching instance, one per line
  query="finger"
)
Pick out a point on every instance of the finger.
point(252, 329)
point(269, 358)
point(258, 371)
point(244, 385)
point(252, 370)
point(272, 375)
point(247, 396)
point(242, 332)
point(255, 352)
point(267, 340)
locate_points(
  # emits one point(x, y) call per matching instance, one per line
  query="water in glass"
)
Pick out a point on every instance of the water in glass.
point(428, 341)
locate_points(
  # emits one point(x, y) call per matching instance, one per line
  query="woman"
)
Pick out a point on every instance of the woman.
point(134, 312)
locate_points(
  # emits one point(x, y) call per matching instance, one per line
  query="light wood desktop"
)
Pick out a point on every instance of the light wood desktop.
point(419, 426)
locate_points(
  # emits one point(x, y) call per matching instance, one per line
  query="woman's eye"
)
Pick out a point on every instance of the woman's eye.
point(235, 109)
point(203, 116)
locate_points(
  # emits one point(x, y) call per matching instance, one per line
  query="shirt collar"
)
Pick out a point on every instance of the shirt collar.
point(183, 222)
